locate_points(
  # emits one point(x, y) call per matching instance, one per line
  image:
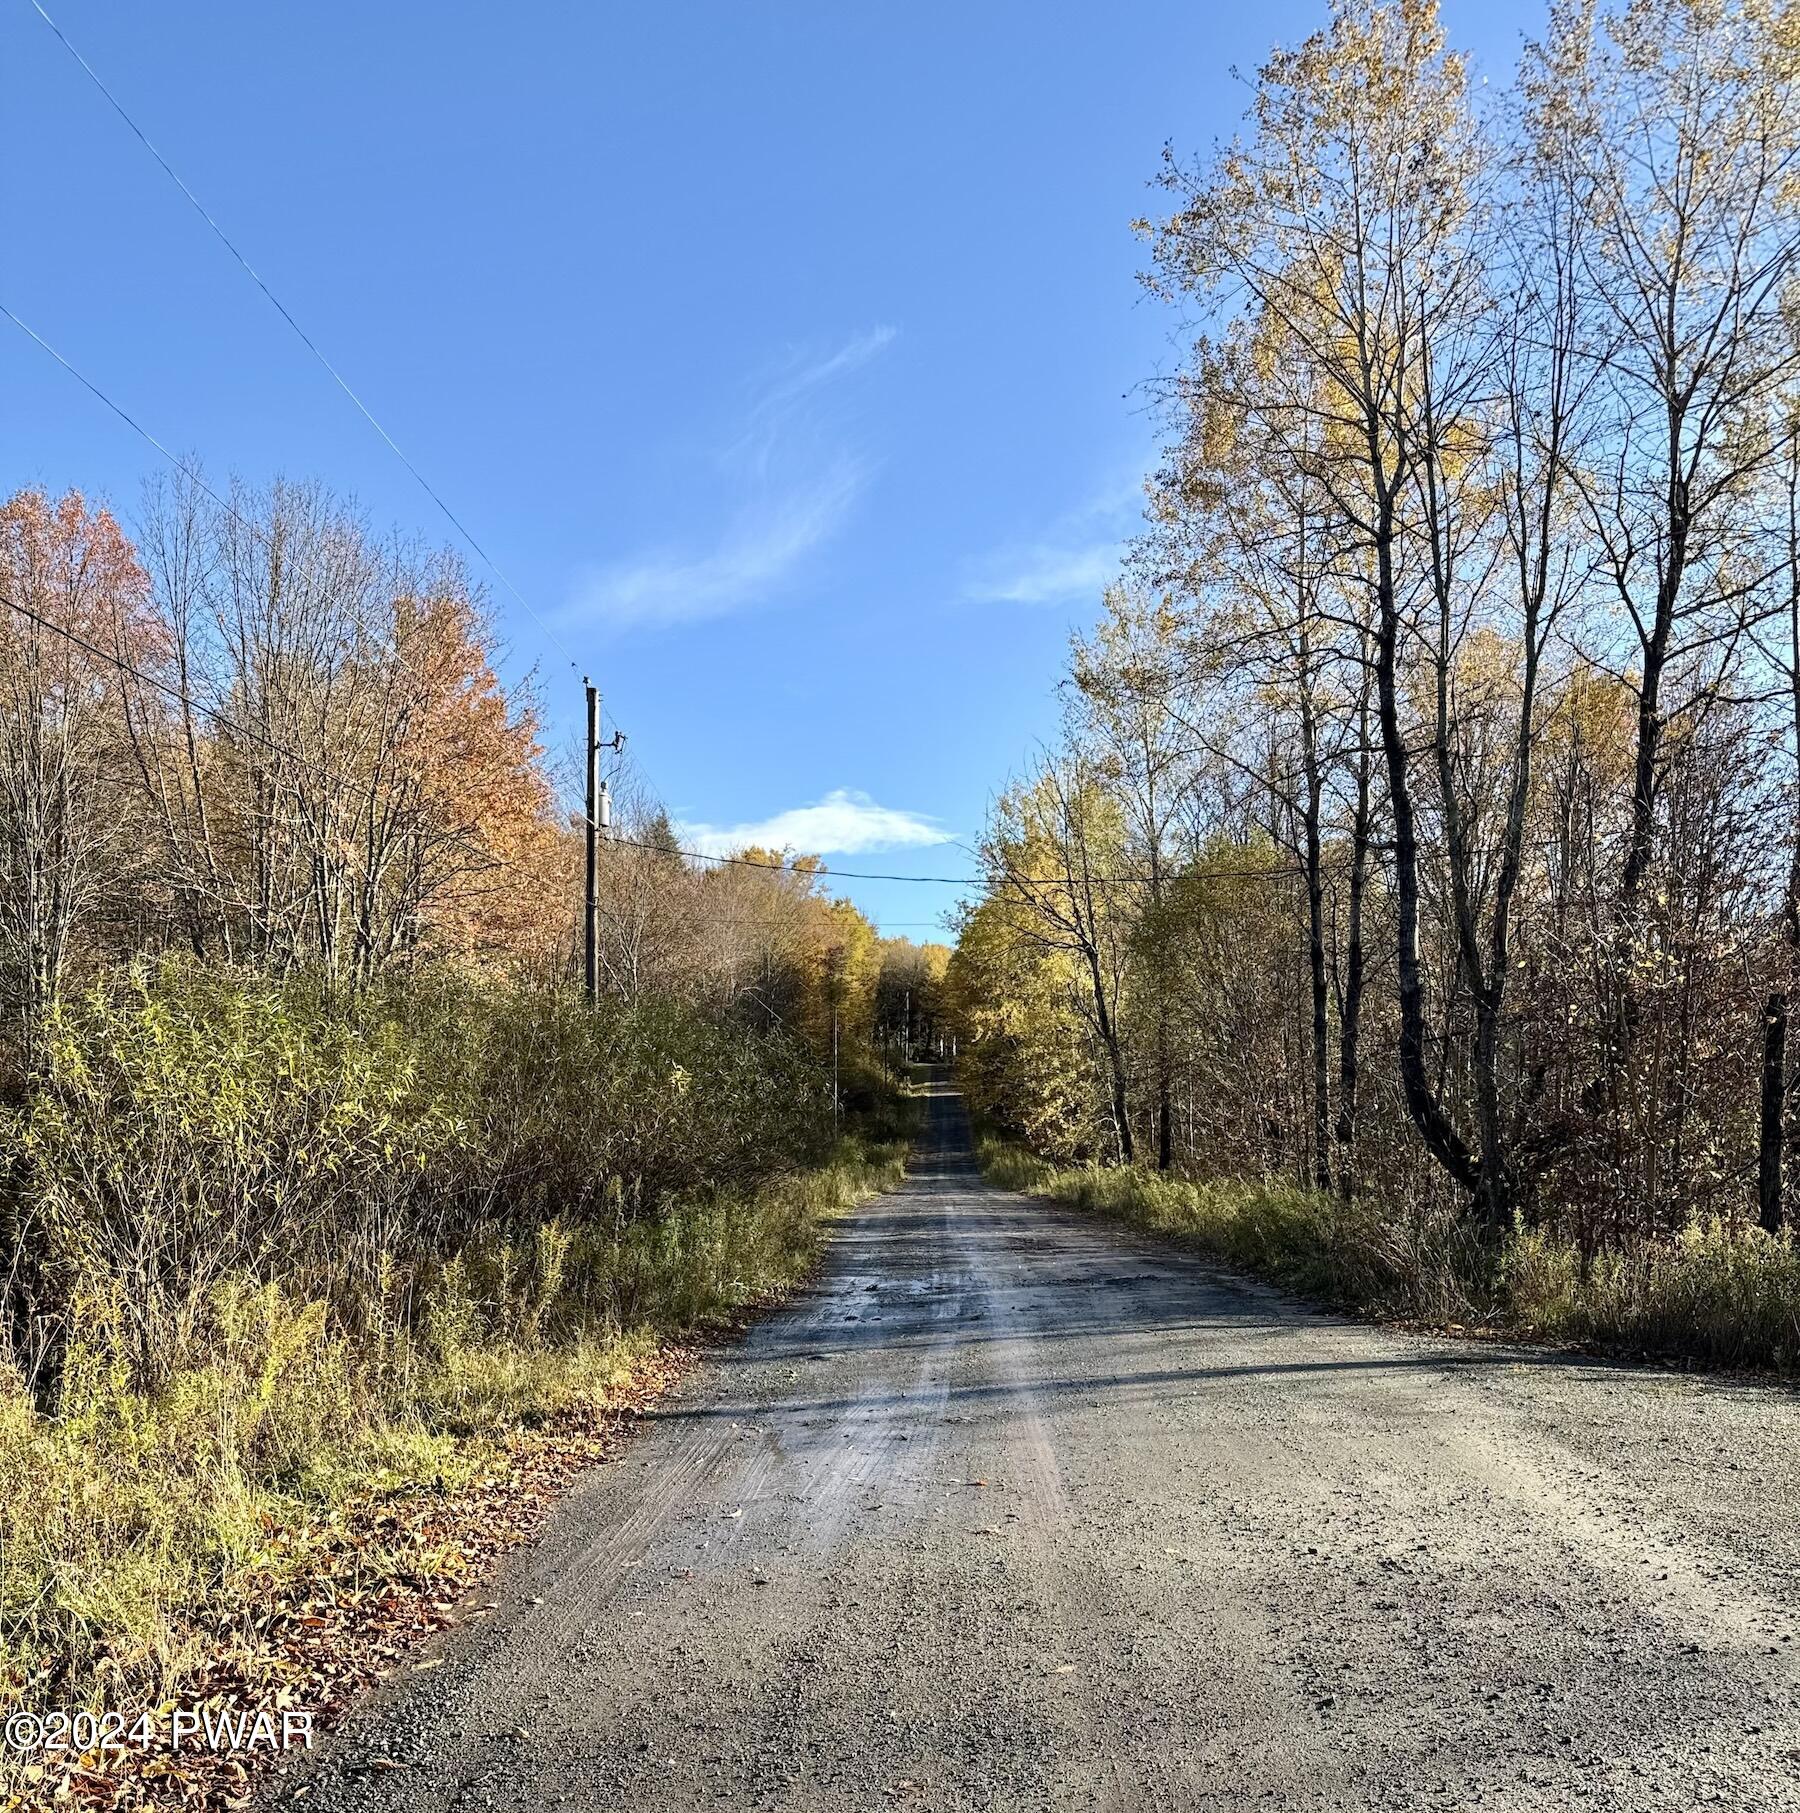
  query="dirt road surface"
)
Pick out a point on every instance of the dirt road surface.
point(1017, 1510)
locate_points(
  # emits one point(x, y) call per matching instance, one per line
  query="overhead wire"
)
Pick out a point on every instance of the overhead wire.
point(977, 881)
point(189, 472)
point(225, 721)
point(195, 477)
point(962, 881)
point(374, 422)
point(305, 338)
point(174, 459)
point(705, 856)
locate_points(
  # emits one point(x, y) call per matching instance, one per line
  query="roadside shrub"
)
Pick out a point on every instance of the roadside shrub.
point(1723, 1295)
point(285, 1250)
point(196, 1126)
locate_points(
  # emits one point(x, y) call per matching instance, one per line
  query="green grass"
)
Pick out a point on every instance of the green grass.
point(1718, 1296)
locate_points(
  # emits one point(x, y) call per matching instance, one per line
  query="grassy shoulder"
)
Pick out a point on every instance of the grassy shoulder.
point(330, 1303)
point(1719, 1297)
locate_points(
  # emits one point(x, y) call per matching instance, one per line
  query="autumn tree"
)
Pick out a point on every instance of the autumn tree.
point(1277, 677)
point(1130, 723)
point(1367, 231)
point(1025, 1050)
point(337, 773)
point(1056, 856)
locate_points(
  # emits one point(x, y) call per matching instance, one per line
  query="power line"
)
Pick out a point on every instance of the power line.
point(743, 862)
point(225, 721)
point(961, 881)
point(499, 860)
point(192, 475)
point(788, 923)
point(782, 868)
point(305, 338)
point(112, 659)
point(746, 862)
point(119, 410)
point(182, 466)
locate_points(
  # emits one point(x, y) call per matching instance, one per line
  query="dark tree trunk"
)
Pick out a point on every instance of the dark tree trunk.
point(1315, 936)
point(1350, 1006)
point(1115, 1060)
point(1770, 1203)
point(1121, 1115)
point(1435, 1127)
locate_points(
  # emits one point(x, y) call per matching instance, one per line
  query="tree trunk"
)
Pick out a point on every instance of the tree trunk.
point(1115, 1060)
point(1770, 1204)
point(1441, 1138)
point(1494, 1184)
point(1122, 1119)
point(1315, 937)
point(1350, 1006)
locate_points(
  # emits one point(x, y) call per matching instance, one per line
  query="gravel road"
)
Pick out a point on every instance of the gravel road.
point(1017, 1510)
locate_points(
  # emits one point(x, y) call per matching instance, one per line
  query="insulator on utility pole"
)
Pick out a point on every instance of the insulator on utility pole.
point(591, 972)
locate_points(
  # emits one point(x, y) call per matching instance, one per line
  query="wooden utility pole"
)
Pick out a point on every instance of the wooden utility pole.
point(591, 972)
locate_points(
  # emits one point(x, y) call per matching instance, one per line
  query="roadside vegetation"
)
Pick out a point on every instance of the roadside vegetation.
point(334, 1220)
point(1717, 1295)
point(1410, 907)
point(307, 1253)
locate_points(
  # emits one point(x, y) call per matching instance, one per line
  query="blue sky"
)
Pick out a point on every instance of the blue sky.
point(786, 358)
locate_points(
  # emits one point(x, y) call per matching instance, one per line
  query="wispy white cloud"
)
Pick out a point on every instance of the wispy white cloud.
point(793, 493)
point(805, 371)
point(762, 545)
point(1044, 574)
point(1074, 560)
point(843, 823)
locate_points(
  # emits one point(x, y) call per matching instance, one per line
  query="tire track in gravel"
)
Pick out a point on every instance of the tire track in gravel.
point(1229, 1553)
